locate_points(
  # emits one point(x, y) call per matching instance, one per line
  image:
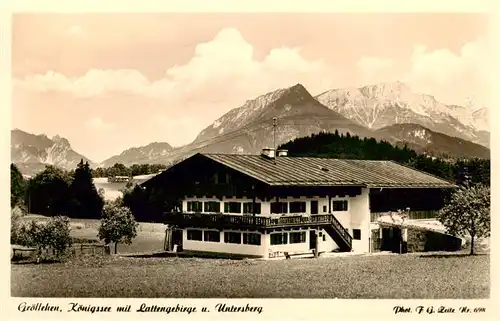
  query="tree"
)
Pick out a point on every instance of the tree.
point(117, 225)
point(48, 192)
point(17, 186)
point(58, 234)
point(53, 234)
point(121, 170)
point(85, 200)
point(468, 212)
point(15, 227)
point(98, 172)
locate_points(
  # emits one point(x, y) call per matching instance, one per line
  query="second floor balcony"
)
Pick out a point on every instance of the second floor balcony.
point(219, 220)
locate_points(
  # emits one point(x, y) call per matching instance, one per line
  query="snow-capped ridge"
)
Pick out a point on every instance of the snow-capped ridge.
point(379, 105)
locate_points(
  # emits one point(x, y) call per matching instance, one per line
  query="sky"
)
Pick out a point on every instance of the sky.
point(111, 81)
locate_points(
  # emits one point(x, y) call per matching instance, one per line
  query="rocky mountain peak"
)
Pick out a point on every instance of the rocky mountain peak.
point(389, 90)
point(296, 94)
point(61, 141)
point(36, 151)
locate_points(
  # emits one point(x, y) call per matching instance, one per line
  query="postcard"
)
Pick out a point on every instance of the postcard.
point(258, 161)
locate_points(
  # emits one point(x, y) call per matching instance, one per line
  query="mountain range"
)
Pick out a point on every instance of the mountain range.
point(424, 140)
point(135, 154)
point(385, 104)
point(388, 111)
point(32, 152)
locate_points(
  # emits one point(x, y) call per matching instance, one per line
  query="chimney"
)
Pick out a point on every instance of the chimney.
point(268, 152)
point(282, 152)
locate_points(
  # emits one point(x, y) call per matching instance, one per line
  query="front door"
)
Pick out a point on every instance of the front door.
point(312, 240)
point(391, 238)
point(177, 238)
point(314, 207)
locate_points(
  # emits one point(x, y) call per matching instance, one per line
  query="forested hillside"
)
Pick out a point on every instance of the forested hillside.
point(337, 145)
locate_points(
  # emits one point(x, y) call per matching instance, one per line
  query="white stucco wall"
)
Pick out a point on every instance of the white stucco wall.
point(359, 209)
point(265, 205)
point(221, 247)
point(327, 245)
point(264, 250)
point(356, 217)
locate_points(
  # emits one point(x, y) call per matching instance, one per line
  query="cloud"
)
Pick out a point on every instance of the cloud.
point(94, 82)
point(375, 70)
point(454, 78)
point(98, 123)
point(224, 66)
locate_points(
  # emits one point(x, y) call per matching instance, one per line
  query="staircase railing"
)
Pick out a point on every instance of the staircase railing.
point(343, 232)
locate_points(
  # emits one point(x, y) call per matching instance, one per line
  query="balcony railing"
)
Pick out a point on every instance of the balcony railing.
point(412, 215)
point(248, 221)
point(258, 221)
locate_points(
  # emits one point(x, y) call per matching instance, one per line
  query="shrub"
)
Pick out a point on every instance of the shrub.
point(53, 234)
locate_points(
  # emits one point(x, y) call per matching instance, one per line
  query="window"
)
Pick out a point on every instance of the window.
point(232, 237)
point(279, 238)
point(212, 207)
point(194, 235)
point(338, 206)
point(324, 208)
point(232, 207)
point(251, 238)
point(297, 207)
point(314, 207)
point(222, 178)
point(356, 234)
point(279, 207)
point(297, 237)
point(248, 208)
point(194, 206)
point(212, 236)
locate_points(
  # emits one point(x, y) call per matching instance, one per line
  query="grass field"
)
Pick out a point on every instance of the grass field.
point(150, 236)
point(381, 276)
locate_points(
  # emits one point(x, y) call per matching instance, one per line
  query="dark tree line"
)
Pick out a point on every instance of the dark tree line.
point(346, 146)
point(474, 170)
point(17, 186)
point(55, 192)
point(148, 206)
point(119, 169)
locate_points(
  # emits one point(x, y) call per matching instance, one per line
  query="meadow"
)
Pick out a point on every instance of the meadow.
point(409, 276)
point(150, 236)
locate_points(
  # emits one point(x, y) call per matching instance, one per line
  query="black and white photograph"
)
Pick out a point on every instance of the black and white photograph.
point(251, 155)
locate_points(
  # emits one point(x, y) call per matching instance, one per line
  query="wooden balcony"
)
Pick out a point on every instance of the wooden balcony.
point(226, 221)
point(200, 219)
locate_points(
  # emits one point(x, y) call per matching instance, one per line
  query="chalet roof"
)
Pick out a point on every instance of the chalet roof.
point(312, 171)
